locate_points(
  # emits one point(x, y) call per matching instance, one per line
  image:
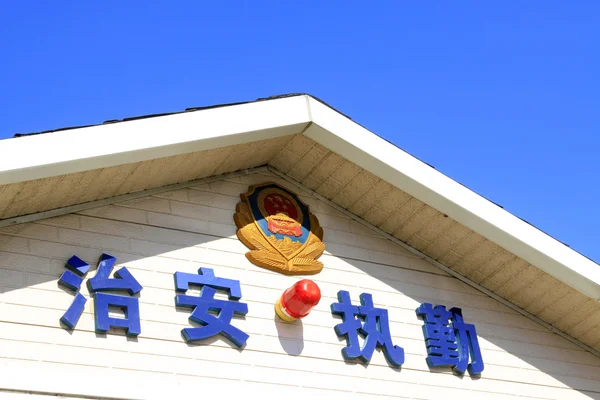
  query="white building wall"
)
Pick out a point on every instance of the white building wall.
point(191, 228)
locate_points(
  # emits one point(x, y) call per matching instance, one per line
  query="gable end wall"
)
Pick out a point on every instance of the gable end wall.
point(190, 228)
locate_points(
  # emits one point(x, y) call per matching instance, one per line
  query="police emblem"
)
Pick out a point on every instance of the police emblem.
point(279, 230)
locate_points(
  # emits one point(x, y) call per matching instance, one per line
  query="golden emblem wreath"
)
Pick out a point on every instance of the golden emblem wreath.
point(285, 256)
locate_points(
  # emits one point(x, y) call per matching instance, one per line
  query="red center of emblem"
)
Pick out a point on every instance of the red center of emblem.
point(283, 216)
point(275, 204)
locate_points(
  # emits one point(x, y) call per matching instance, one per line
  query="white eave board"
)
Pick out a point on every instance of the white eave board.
point(102, 146)
point(76, 150)
point(390, 163)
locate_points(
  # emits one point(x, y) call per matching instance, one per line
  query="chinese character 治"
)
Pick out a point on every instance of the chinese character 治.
point(72, 279)
point(375, 329)
point(202, 305)
point(449, 341)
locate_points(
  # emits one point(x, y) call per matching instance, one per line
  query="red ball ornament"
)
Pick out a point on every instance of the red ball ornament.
point(297, 301)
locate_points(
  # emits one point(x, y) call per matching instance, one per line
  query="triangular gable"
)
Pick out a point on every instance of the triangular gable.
point(343, 162)
point(192, 227)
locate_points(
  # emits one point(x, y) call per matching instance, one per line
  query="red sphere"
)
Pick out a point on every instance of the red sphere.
point(298, 300)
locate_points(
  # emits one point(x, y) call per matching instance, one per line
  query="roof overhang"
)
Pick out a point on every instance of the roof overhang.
point(264, 132)
point(420, 180)
point(101, 146)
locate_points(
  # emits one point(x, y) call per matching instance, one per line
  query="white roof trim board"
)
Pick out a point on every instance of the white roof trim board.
point(108, 145)
point(81, 149)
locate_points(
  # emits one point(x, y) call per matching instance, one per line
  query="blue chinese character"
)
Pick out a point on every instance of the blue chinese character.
point(450, 343)
point(375, 329)
point(211, 325)
point(72, 279)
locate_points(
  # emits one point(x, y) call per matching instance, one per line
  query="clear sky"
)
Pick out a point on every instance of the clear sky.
point(502, 96)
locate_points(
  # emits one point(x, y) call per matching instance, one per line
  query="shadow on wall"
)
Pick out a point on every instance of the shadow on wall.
point(286, 330)
point(513, 347)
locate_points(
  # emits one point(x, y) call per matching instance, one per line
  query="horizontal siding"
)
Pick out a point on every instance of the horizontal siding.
point(191, 228)
point(392, 293)
point(258, 363)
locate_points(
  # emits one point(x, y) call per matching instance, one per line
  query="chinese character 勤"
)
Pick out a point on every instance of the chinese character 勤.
point(449, 340)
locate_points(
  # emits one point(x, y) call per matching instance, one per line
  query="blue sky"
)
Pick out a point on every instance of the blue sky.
point(501, 96)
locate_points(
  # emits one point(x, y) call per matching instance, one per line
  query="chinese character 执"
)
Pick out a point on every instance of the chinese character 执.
point(375, 329)
point(449, 340)
point(72, 279)
point(211, 325)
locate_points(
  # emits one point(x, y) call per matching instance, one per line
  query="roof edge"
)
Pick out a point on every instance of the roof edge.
point(101, 146)
point(399, 168)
